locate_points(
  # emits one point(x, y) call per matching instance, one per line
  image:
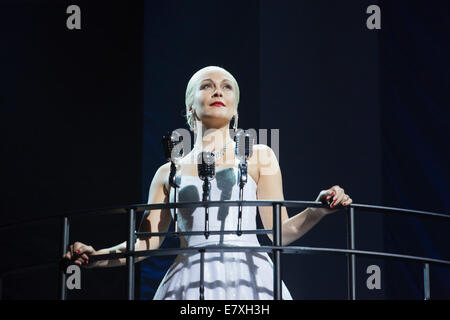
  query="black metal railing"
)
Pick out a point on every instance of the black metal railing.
point(277, 249)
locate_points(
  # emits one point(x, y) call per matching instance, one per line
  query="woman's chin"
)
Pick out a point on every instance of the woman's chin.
point(215, 123)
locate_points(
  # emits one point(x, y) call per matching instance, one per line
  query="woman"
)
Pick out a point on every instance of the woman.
point(212, 98)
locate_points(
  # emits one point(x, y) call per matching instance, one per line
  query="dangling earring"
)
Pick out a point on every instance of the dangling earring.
point(235, 123)
point(194, 122)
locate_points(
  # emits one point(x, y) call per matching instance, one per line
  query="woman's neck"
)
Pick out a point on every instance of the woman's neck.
point(216, 140)
point(212, 139)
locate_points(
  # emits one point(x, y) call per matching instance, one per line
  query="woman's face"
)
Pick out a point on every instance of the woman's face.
point(214, 99)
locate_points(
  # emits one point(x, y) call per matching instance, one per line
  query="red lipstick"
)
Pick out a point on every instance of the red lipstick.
point(217, 104)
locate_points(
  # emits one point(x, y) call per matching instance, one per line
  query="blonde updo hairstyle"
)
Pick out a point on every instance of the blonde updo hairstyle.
point(192, 86)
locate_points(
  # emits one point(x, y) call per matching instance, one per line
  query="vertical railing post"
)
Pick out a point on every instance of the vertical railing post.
point(276, 234)
point(351, 259)
point(130, 250)
point(64, 248)
point(426, 281)
point(202, 274)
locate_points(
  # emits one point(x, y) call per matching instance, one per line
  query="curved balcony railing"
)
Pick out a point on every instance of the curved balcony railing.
point(277, 249)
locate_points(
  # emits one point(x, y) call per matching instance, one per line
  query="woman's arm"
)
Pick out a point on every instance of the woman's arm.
point(155, 221)
point(270, 187)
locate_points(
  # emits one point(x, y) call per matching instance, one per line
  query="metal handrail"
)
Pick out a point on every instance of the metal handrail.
point(217, 248)
point(284, 249)
point(286, 203)
point(277, 249)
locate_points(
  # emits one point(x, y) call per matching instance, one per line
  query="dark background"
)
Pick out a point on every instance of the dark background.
point(83, 111)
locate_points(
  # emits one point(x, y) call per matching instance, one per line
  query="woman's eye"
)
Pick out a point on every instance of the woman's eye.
point(207, 85)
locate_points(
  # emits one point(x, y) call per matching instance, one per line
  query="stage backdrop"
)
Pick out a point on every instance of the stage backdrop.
point(83, 113)
point(71, 121)
point(415, 77)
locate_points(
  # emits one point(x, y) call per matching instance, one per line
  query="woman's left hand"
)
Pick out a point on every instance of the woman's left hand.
point(336, 195)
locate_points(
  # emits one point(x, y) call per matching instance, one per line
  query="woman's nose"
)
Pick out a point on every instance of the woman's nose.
point(217, 92)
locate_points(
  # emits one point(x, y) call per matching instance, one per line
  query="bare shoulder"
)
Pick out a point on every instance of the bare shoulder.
point(165, 168)
point(161, 176)
point(263, 160)
point(162, 171)
point(262, 154)
point(262, 147)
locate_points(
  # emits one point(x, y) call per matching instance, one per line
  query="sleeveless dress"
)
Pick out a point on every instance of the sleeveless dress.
point(227, 275)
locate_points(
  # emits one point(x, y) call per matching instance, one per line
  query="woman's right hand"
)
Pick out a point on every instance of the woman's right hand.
point(79, 253)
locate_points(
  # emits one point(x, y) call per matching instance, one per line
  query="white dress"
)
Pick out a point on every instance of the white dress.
point(227, 275)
